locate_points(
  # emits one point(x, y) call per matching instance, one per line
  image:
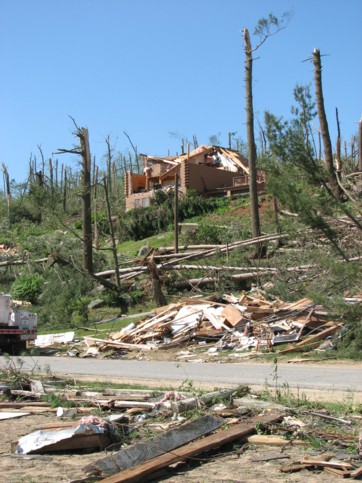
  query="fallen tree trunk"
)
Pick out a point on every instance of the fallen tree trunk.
point(189, 247)
point(22, 262)
point(232, 246)
point(206, 400)
point(206, 280)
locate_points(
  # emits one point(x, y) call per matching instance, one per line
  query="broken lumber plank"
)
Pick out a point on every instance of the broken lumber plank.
point(356, 473)
point(139, 453)
point(24, 403)
point(337, 472)
point(128, 404)
point(320, 335)
point(293, 467)
point(232, 315)
point(327, 416)
point(207, 443)
point(122, 345)
point(305, 348)
point(327, 464)
point(150, 322)
point(274, 440)
point(28, 394)
point(12, 415)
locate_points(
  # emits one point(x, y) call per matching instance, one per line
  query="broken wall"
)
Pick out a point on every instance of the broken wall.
point(203, 178)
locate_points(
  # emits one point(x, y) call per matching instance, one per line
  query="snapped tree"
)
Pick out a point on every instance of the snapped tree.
point(265, 28)
point(83, 150)
point(328, 154)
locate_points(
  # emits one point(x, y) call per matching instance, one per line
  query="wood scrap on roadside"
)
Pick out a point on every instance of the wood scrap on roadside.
point(249, 323)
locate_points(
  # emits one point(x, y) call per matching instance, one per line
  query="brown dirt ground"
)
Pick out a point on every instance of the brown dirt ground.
point(229, 466)
point(222, 466)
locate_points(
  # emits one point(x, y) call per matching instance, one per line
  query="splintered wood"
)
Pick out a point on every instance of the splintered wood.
point(248, 322)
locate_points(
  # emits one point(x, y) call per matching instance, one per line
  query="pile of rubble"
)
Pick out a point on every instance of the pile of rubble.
point(246, 323)
point(145, 431)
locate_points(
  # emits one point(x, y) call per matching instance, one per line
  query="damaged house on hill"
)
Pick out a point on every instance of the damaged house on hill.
point(208, 170)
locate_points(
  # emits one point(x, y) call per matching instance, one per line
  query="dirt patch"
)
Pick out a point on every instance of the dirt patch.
point(234, 465)
point(36, 468)
point(240, 468)
point(245, 210)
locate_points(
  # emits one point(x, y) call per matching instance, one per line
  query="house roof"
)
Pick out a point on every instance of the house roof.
point(229, 157)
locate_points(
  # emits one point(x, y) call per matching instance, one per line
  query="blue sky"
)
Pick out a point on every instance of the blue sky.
point(156, 67)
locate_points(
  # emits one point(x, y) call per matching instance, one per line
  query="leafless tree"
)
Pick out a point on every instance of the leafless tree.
point(83, 150)
point(265, 28)
point(328, 154)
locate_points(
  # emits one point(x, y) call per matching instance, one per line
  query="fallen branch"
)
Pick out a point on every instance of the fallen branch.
point(22, 262)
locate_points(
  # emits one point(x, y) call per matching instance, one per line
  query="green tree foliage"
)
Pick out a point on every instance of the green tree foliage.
point(27, 287)
point(63, 301)
point(144, 222)
point(295, 175)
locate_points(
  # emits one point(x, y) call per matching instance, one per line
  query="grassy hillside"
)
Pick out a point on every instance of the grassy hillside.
point(305, 262)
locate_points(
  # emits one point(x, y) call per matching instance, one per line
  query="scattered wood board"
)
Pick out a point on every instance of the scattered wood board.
point(154, 447)
point(179, 454)
point(232, 315)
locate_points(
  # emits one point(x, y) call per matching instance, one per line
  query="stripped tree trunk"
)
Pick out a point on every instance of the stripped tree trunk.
point(109, 165)
point(328, 155)
point(51, 177)
point(338, 147)
point(7, 186)
point(40, 182)
point(360, 145)
point(65, 181)
point(158, 295)
point(86, 200)
point(95, 207)
point(252, 158)
point(111, 229)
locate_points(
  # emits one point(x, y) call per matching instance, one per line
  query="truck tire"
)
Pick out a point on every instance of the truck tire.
point(16, 348)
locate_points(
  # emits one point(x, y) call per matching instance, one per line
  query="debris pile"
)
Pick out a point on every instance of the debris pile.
point(146, 430)
point(245, 323)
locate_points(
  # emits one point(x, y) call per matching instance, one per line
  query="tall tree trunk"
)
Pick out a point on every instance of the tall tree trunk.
point(360, 145)
point(109, 165)
point(86, 200)
point(51, 177)
point(56, 175)
point(40, 182)
point(7, 187)
point(328, 154)
point(338, 147)
point(113, 236)
point(95, 207)
point(252, 159)
point(176, 213)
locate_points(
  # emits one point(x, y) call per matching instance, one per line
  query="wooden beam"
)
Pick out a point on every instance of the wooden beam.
point(179, 454)
point(154, 447)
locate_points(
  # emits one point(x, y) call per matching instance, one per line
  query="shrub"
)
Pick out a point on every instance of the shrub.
point(64, 298)
point(27, 287)
point(193, 204)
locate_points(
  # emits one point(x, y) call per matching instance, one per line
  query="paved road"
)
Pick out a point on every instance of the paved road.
point(311, 376)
